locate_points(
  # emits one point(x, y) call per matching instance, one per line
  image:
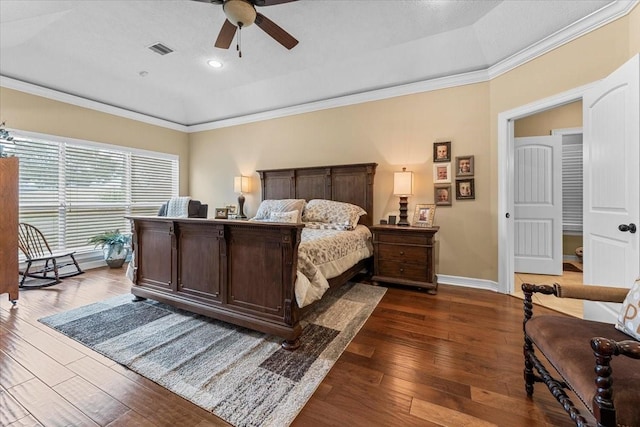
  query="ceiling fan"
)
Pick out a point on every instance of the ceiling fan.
point(242, 13)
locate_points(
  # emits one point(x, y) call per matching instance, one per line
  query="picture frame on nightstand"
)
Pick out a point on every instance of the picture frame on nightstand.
point(424, 215)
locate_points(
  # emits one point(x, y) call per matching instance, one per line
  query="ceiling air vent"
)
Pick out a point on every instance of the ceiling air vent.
point(160, 49)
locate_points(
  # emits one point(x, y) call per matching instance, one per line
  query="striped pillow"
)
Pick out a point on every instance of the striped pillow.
point(281, 205)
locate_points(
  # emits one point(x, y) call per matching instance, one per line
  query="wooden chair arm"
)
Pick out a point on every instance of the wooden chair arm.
point(609, 347)
point(587, 292)
point(591, 293)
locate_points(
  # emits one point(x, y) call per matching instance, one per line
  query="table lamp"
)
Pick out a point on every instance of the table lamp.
point(241, 185)
point(403, 187)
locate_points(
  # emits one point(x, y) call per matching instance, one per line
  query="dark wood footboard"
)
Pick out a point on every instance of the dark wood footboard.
point(236, 271)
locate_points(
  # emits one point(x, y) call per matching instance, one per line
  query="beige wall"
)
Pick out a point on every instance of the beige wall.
point(36, 114)
point(394, 133)
point(566, 116)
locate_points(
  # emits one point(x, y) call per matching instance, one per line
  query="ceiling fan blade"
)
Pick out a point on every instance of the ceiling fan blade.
point(278, 34)
point(225, 37)
point(267, 2)
point(210, 1)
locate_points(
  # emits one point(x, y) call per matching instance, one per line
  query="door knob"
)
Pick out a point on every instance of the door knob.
point(631, 228)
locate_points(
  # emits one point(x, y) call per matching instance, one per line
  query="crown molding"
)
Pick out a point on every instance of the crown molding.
point(589, 23)
point(597, 19)
point(342, 101)
point(55, 95)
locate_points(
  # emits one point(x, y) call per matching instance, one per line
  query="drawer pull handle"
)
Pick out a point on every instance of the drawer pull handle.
point(401, 252)
point(402, 270)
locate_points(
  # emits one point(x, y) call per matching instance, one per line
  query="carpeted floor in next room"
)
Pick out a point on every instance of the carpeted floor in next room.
point(420, 360)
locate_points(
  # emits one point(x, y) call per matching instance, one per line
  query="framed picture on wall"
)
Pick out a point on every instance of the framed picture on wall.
point(442, 151)
point(465, 189)
point(464, 166)
point(441, 173)
point(442, 194)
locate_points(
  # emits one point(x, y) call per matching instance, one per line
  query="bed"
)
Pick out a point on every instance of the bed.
point(245, 272)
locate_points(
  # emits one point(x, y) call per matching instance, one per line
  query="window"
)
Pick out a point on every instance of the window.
point(572, 184)
point(72, 190)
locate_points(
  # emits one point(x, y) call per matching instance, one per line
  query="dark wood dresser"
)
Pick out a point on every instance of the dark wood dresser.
point(405, 256)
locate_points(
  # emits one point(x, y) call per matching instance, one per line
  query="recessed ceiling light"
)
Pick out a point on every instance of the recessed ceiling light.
point(215, 63)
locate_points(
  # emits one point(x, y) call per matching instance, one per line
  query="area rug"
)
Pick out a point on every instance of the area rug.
point(242, 376)
point(567, 266)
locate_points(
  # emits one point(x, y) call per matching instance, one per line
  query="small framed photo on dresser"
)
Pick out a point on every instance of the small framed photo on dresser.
point(423, 217)
point(222, 213)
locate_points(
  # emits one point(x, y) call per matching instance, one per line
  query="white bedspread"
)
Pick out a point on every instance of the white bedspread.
point(323, 254)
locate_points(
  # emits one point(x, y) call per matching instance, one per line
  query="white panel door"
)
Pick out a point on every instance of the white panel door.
point(538, 205)
point(612, 183)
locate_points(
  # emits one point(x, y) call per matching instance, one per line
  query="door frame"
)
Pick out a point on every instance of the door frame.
point(506, 254)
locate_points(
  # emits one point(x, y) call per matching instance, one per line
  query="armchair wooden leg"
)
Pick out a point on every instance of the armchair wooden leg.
point(529, 376)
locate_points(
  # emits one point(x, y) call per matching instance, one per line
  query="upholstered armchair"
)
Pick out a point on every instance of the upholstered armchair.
point(597, 362)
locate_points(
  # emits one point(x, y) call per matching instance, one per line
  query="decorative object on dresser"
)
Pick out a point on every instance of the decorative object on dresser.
point(222, 213)
point(424, 215)
point(9, 227)
point(240, 185)
point(211, 267)
point(442, 194)
point(405, 256)
point(403, 187)
point(442, 151)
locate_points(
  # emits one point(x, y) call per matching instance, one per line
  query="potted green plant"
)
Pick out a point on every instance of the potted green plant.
point(115, 246)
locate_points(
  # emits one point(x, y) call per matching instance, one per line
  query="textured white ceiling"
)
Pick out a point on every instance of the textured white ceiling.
point(96, 49)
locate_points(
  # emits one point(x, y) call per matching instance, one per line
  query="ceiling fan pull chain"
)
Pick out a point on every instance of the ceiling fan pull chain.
point(239, 42)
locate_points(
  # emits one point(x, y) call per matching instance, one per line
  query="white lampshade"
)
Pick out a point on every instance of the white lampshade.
point(241, 184)
point(403, 183)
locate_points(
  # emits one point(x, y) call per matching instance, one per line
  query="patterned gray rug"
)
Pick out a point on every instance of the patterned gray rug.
point(242, 376)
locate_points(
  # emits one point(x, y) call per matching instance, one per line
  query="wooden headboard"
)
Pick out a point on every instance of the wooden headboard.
point(342, 183)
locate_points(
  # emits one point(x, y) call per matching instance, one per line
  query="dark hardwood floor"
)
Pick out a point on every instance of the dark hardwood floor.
point(453, 359)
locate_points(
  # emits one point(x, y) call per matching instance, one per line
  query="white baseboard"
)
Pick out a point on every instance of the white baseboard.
point(468, 282)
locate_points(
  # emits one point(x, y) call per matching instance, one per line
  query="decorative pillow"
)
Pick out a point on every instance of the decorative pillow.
point(281, 205)
point(329, 211)
point(629, 317)
point(328, 226)
point(289, 217)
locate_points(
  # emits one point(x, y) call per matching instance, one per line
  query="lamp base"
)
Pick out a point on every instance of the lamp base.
point(403, 212)
point(241, 214)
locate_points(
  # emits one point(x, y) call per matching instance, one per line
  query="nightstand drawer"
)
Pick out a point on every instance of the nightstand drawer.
point(403, 238)
point(403, 253)
point(401, 270)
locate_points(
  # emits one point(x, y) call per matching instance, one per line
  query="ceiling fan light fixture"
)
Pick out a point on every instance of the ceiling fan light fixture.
point(214, 63)
point(239, 12)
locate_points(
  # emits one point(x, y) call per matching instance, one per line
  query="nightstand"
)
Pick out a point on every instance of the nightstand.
point(404, 256)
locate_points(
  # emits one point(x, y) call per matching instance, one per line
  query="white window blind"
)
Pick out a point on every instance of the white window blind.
point(572, 184)
point(72, 190)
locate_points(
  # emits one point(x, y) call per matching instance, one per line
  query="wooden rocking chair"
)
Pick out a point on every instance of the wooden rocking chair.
point(35, 248)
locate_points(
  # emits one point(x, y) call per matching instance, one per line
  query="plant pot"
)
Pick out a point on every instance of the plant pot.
point(115, 255)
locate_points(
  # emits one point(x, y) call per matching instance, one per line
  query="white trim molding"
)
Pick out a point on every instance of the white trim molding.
point(467, 282)
point(55, 95)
